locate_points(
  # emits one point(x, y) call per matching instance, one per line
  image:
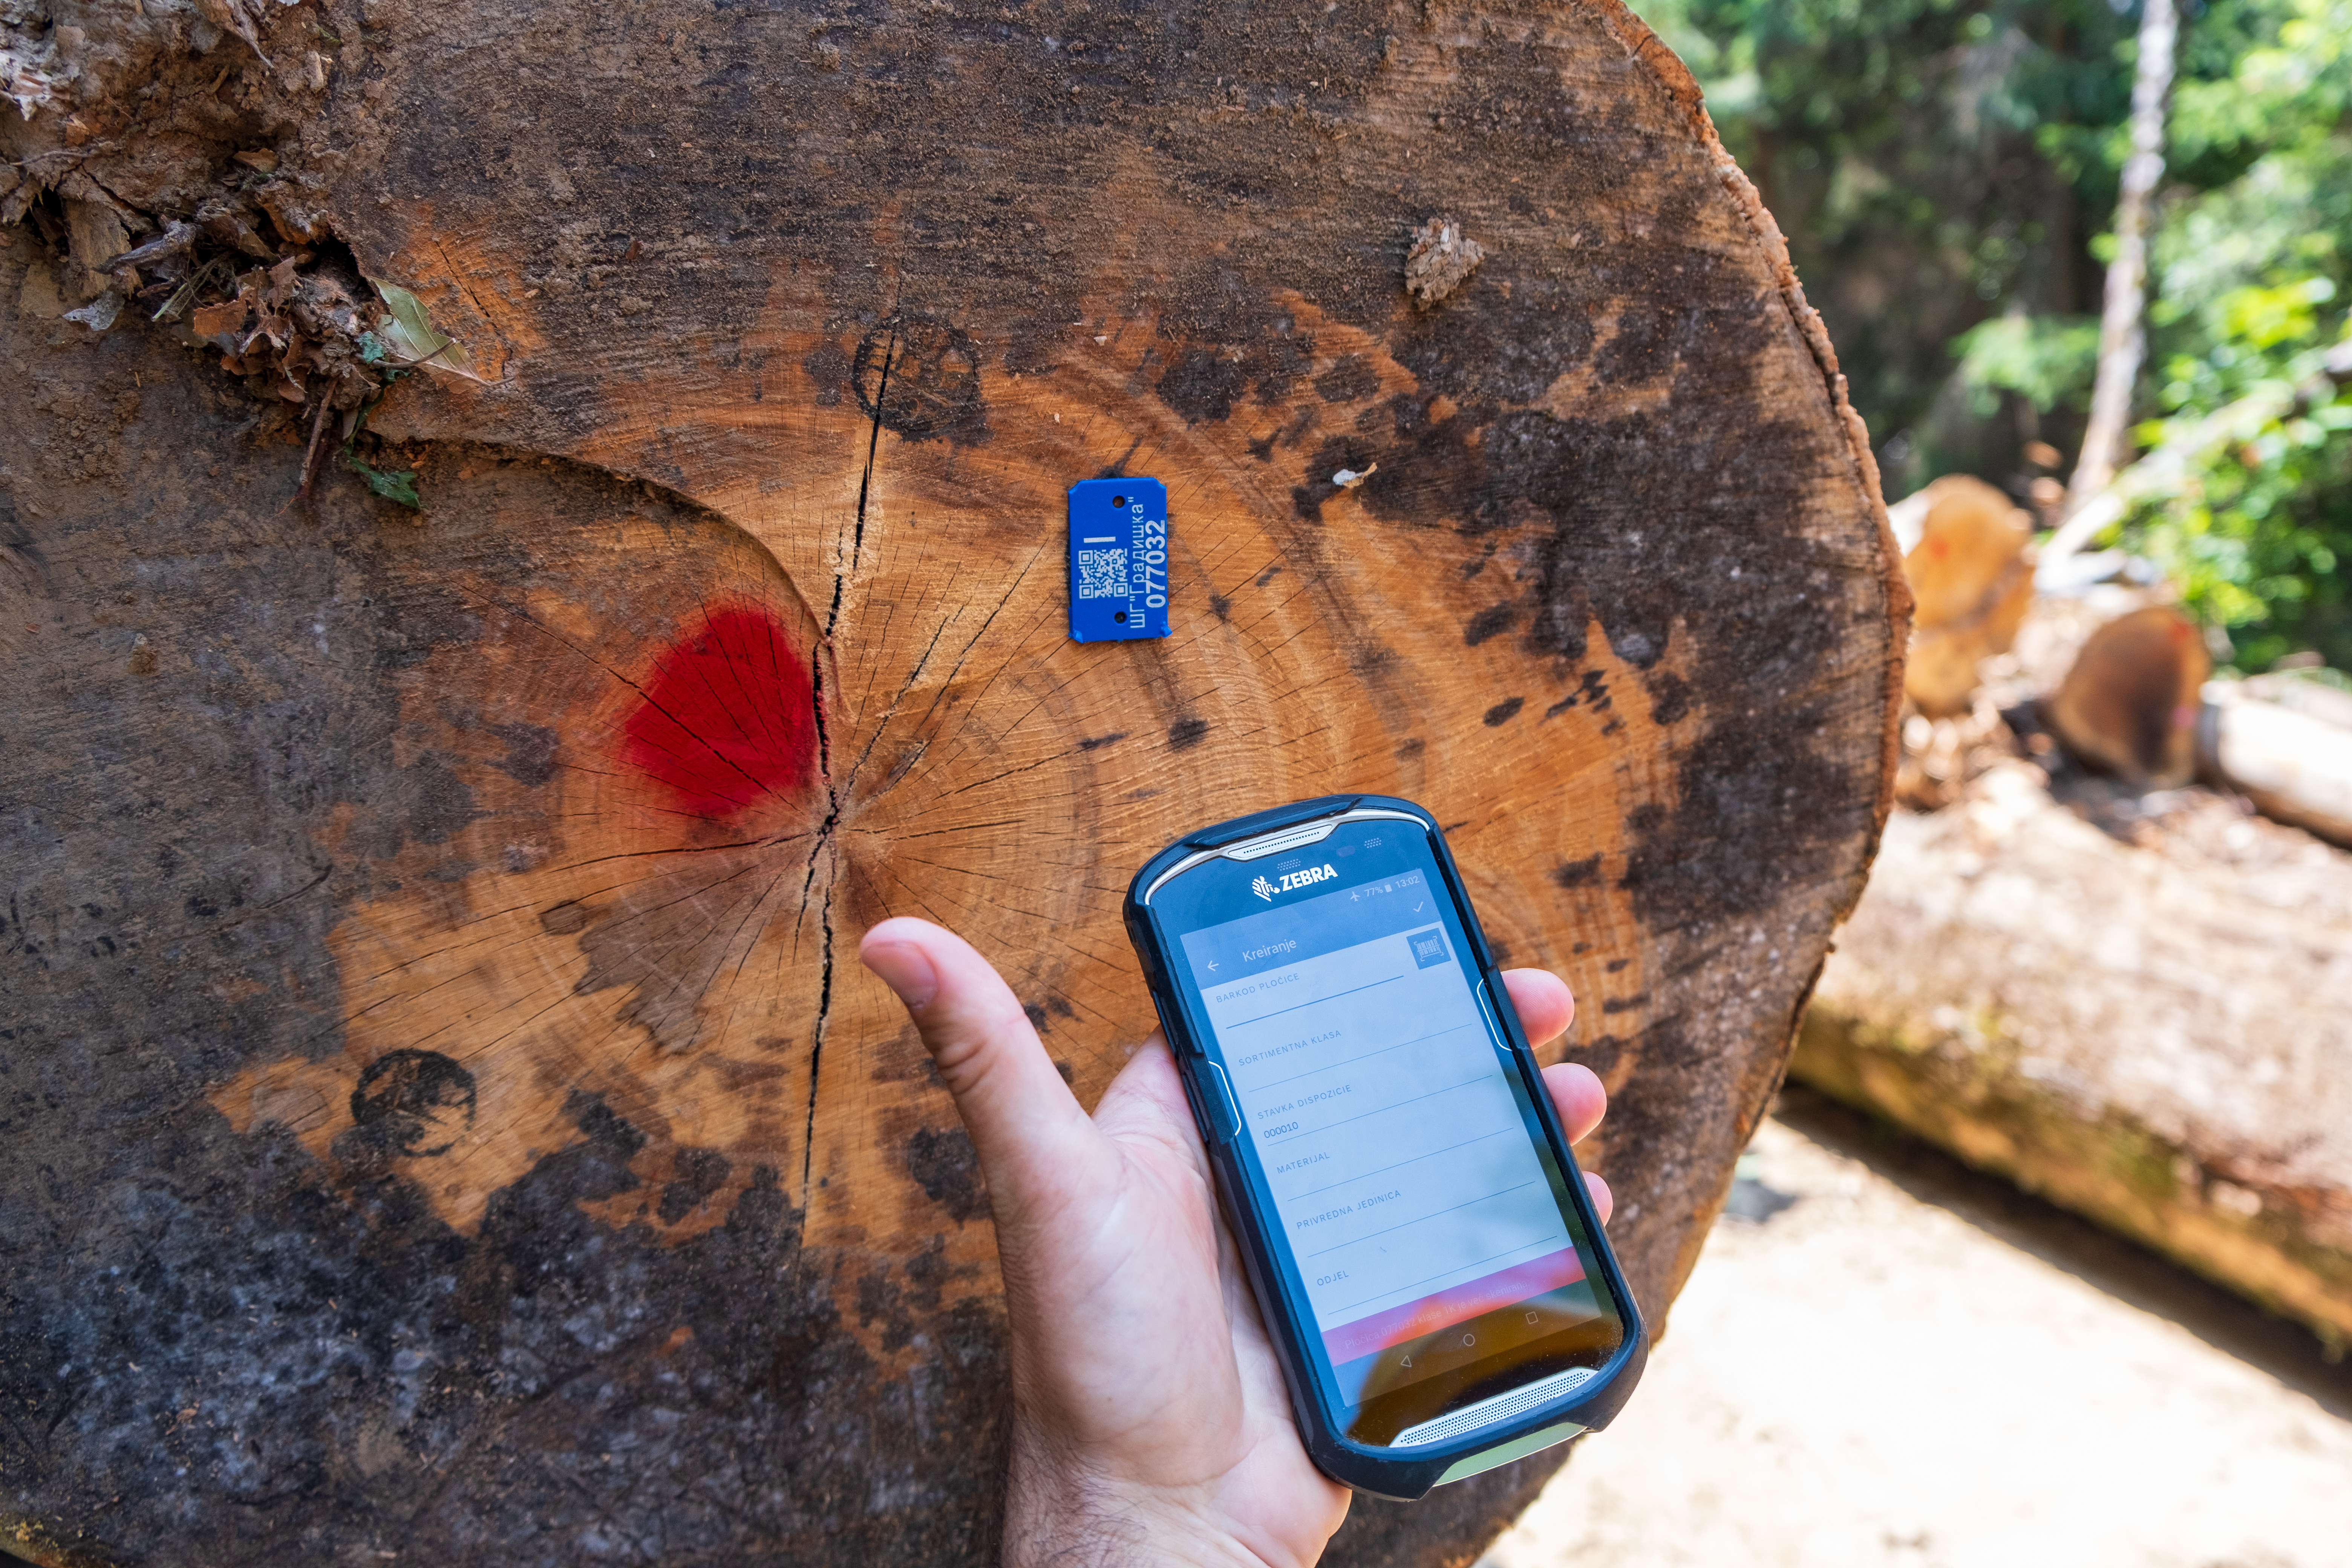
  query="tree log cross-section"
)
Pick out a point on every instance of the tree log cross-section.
point(444, 1114)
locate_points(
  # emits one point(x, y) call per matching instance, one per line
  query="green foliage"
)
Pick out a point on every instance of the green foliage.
point(391, 484)
point(1944, 169)
point(1935, 164)
point(2253, 274)
point(2046, 360)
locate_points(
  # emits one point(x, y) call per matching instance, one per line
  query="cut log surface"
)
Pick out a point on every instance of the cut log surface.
point(2129, 705)
point(1966, 559)
point(444, 1113)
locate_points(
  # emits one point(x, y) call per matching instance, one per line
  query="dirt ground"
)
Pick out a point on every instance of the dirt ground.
point(1886, 1359)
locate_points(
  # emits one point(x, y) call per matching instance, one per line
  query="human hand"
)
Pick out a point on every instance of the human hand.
point(1149, 1420)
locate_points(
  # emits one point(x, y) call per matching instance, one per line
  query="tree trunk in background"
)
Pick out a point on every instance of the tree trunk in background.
point(2122, 332)
point(445, 1115)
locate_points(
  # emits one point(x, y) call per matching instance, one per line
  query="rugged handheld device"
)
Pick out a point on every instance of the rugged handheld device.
point(1421, 1244)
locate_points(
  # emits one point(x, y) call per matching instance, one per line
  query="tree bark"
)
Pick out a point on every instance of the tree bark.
point(444, 1113)
point(2286, 745)
point(2123, 332)
point(2144, 1025)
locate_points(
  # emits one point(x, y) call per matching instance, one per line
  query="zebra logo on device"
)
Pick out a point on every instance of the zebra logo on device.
point(1294, 881)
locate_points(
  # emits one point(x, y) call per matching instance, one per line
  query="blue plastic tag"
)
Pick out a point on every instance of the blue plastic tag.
point(1118, 559)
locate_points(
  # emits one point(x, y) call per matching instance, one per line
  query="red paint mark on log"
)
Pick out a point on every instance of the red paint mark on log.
point(728, 717)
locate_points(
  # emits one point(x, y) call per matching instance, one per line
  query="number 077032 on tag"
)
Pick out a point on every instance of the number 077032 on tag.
point(1118, 559)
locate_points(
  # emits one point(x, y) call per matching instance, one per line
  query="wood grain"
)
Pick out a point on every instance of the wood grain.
point(441, 1065)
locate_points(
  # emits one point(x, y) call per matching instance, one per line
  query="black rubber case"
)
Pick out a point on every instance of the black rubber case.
point(1398, 1474)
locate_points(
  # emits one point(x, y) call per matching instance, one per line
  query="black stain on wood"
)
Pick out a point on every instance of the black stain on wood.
point(1603, 1054)
point(1276, 361)
point(1670, 697)
point(1505, 710)
point(442, 804)
point(1490, 622)
point(1593, 693)
point(828, 369)
point(566, 918)
point(1352, 379)
point(1035, 344)
point(919, 376)
point(1584, 873)
point(947, 1167)
point(1186, 733)
point(1201, 384)
point(1097, 742)
point(414, 1103)
point(1753, 800)
point(698, 1173)
point(531, 752)
point(603, 1126)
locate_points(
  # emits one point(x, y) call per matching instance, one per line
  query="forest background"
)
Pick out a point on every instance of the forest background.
point(1947, 174)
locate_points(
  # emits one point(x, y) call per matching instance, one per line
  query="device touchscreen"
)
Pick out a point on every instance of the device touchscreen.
point(1429, 1232)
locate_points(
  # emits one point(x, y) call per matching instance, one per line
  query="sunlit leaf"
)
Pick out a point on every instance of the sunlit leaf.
point(409, 337)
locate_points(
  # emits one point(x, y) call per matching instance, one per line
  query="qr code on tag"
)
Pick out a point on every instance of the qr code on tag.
point(1102, 573)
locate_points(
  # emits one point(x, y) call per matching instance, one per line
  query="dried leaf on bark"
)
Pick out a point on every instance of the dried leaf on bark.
point(410, 338)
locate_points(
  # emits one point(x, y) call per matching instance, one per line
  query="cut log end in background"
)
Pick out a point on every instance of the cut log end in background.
point(2130, 704)
point(1965, 557)
point(447, 1111)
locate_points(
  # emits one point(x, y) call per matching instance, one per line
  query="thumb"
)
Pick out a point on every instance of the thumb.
point(1037, 1147)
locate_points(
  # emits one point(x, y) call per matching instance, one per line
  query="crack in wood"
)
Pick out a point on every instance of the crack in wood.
point(834, 791)
point(849, 782)
point(816, 1043)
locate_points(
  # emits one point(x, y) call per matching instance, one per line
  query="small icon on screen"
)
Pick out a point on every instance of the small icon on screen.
point(1429, 948)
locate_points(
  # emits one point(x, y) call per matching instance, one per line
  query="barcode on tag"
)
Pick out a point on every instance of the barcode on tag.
point(1102, 573)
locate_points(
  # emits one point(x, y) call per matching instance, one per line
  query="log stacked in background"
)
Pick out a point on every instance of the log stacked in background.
point(445, 1115)
point(1965, 557)
point(2144, 1024)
